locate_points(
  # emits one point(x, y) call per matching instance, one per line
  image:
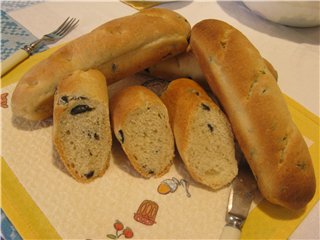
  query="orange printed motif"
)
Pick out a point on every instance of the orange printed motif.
point(147, 212)
point(4, 100)
point(120, 231)
point(171, 185)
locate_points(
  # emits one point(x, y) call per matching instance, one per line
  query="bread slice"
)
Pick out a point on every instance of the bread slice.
point(140, 122)
point(81, 125)
point(203, 135)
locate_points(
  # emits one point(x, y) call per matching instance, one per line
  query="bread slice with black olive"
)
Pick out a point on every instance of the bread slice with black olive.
point(202, 132)
point(81, 125)
point(140, 122)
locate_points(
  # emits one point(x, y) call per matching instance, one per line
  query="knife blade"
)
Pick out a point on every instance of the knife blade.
point(242, 193)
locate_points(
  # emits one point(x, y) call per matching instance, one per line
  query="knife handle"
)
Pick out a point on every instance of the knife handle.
point(230, 232)
point(13, 60)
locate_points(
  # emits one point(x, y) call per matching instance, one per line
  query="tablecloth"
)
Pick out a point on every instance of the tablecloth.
point(300, 46)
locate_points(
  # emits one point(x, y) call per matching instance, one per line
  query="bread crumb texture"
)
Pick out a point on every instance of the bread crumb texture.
point(202, 133)
point(141, 124)
point(82, 132)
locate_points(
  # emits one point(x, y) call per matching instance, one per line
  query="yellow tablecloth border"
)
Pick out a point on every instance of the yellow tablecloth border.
point(27, 217)
point(30, 221)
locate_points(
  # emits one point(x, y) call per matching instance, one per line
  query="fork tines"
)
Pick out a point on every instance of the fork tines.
point(66, 26)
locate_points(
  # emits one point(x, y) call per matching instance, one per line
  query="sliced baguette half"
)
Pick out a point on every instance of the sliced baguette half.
point(202, 132)
point(140, 122)
point(81, 125)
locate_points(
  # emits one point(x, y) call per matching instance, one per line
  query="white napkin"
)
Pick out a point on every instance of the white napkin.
point(89, 210)
point(45, 17)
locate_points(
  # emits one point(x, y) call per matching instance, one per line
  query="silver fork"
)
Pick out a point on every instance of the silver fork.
point(23, 53)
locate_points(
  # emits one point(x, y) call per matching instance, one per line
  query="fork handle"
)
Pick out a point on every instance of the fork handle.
point(230, 232)
point(13, 60)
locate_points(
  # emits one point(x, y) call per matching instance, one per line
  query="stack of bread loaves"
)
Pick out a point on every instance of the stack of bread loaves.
point(255, 112)
point(81, 132)
point(245, 85)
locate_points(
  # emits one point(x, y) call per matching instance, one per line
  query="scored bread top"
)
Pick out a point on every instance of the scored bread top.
point(186, 65)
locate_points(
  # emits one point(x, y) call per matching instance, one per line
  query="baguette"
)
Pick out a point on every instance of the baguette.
point(140, 122)
point(202, 134)
point(185, 65)
point(81, 125)
point(118, 48)
point(259, 116)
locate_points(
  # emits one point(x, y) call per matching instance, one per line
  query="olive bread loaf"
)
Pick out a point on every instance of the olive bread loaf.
point(81, 124)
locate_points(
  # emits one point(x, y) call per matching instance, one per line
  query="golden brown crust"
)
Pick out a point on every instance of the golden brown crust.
point(183, 92)
point(90, 84)
point(181, 66)
point(175, 91)
point(272, 70)
point(136, 96)
point(185, 65)
point(113, 48)
point(259, 116)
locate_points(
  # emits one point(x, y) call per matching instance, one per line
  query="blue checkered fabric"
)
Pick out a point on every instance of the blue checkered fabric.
point(8, 232)
point(17, 4)
point(13, 36)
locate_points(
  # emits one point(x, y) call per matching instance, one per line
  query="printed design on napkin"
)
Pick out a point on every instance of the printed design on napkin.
point(147, 212)
point(14, 36)
point(171, 185)
point(4, 100)
point(120, 231)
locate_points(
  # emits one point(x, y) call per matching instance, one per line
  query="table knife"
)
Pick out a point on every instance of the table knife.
point(242, 192)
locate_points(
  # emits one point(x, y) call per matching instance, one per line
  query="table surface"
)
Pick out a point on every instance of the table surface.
point(294, 52)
